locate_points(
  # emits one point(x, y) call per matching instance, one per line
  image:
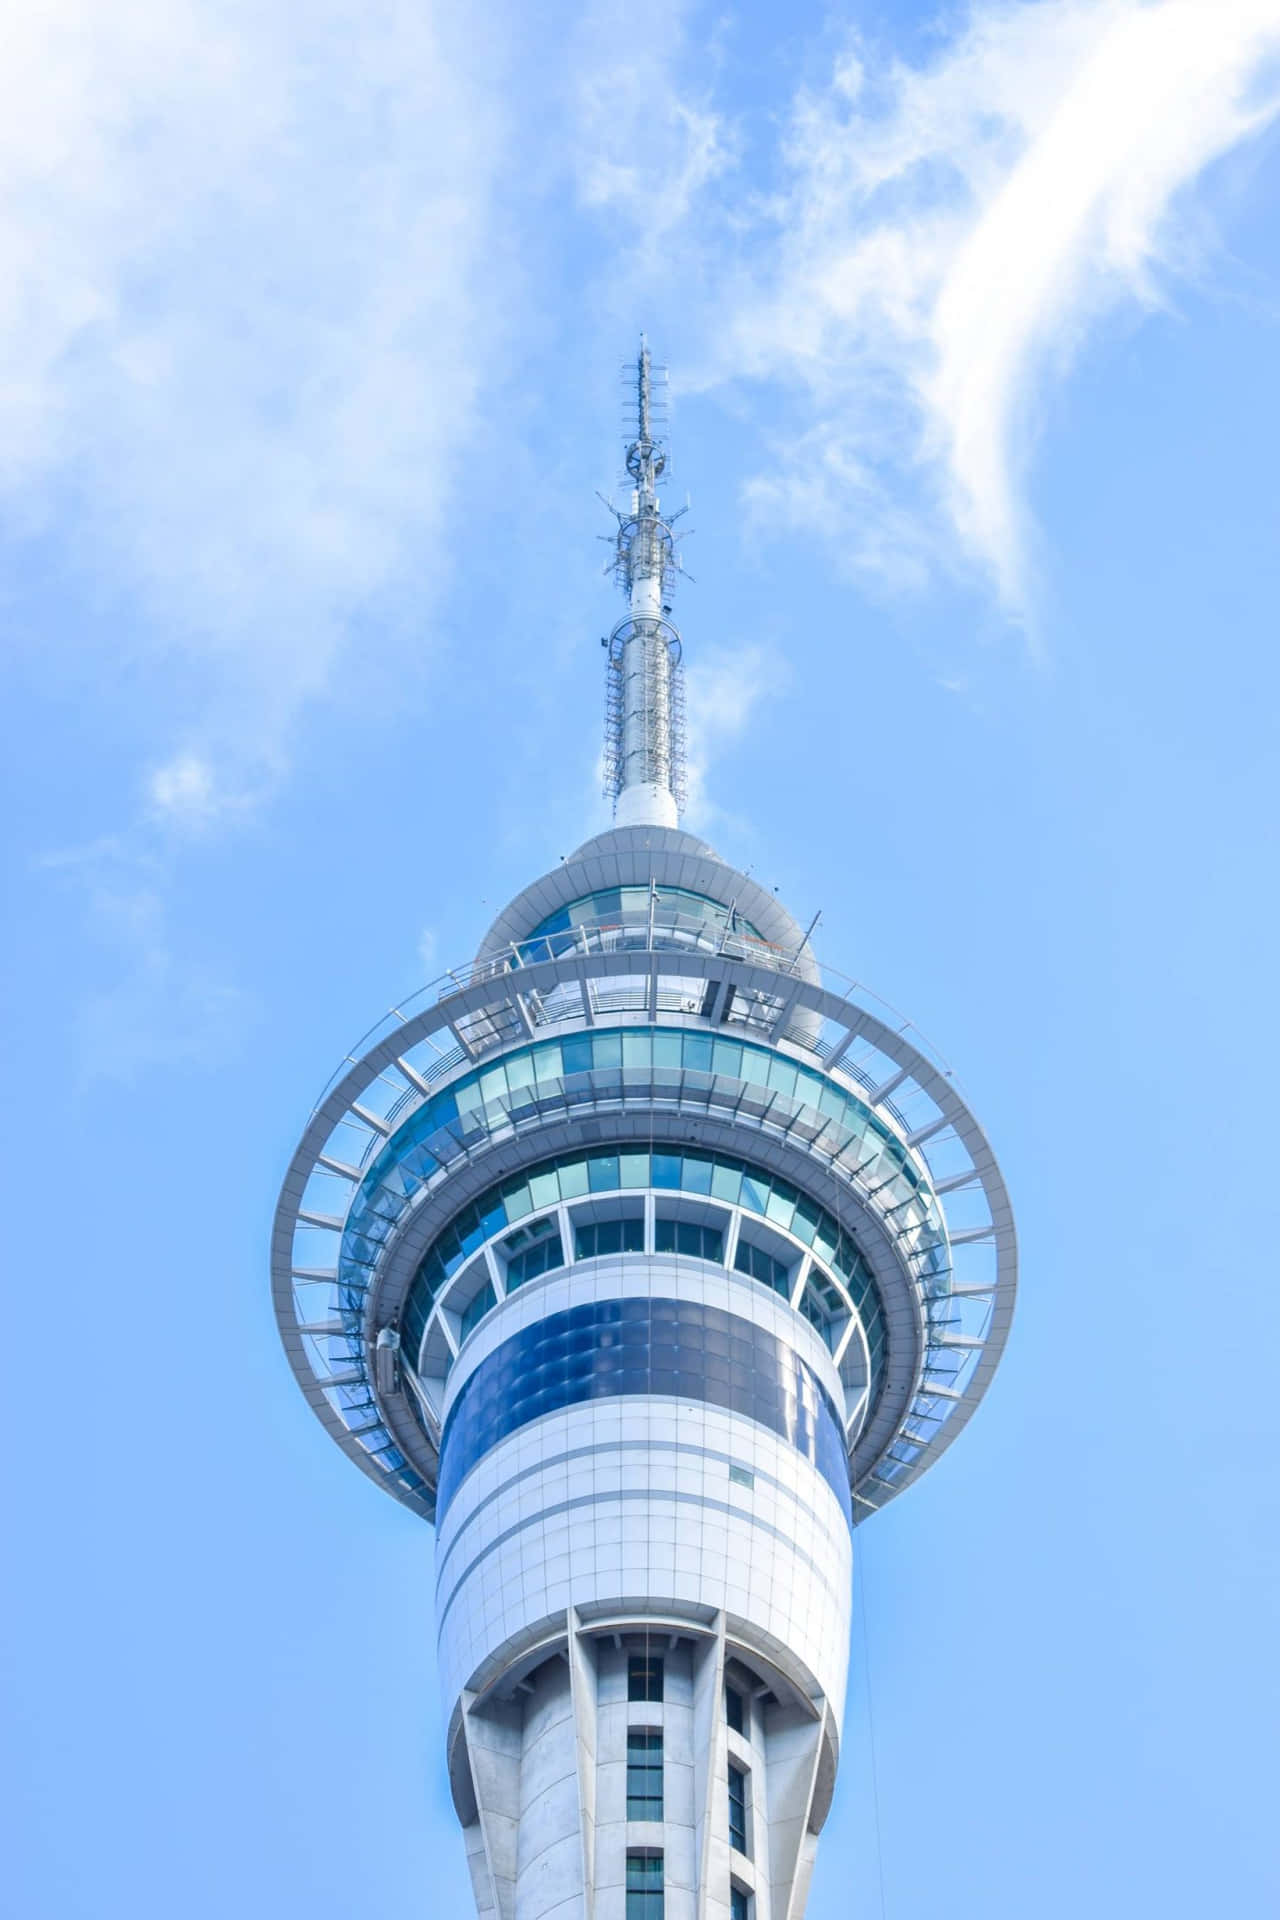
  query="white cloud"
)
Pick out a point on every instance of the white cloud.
point(247, 301)
point(948, 233)
point(185, 792)
point(723, 690)
point(647, 142)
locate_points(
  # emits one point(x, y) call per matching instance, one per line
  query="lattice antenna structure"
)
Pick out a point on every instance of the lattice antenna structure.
point(644, 690)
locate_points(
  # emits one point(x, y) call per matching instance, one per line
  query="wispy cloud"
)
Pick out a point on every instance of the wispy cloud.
point(247, 301)
point(725, 689)
point(646, 141)
point(149, 1006)
point(948, 233)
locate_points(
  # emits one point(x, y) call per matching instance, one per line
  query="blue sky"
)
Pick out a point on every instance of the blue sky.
point(309, 344)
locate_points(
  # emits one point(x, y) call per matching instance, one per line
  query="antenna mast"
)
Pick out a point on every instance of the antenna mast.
point(644, 713)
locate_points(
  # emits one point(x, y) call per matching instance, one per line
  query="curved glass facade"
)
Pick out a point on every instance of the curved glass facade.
point(630, 906)
point(667, 1061)
point(679, 1348)
point(612, 1170)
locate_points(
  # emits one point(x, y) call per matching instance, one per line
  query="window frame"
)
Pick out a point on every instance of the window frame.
point(645, 1901)
point(739, 1809)
point(641, 1767)
point(650, 1661)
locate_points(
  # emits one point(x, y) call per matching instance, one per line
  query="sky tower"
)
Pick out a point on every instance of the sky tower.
point(647, 1258)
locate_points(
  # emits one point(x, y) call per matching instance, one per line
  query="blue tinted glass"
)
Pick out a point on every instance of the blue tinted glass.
point(737, 1809)
point(435, 1132)
point(755, 1191)
point(727, 1058)
point(667, 1049)
point(696, 1176)
point(643, 1346)
point(697, 1052)
point(573, 1179)
point(475, 1313)
point(725, 1178)
point(539, 1258)
point(493, 1215)
point(576, 1052)
point(606, 1049)
point(613, 905)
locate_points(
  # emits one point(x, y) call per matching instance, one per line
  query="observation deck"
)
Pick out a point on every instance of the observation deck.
point(645, 1056)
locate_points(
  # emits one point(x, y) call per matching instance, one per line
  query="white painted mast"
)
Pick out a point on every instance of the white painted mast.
point(645, 745)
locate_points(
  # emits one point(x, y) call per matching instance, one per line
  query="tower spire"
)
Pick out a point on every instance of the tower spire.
point(644, 741)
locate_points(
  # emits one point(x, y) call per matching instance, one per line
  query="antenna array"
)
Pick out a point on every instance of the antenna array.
point(644, 686)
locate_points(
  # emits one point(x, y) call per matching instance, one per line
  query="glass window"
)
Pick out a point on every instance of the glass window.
point(570, 1176)
point(644, 1677)
point(608, 1236)
point(577, 1053)
point(782, 1204)
point(544, 1188)
point(644, 1885)
point(697, 1172)
point(476, 1312)
point(814, 1312)
point(727, 1058)
point(762, 1267)
point(688, 1237)
point(643, 1345)
point(541, 1257)
point(755, 1190)
point(515, 1195)
point(735, 1709)
point(468, 1095)
point(606, 1050)
point(644, 1775)
point(783, 1074)
point(637, 1048)
point(550, 1065)
point(738, 1809)
point(520, 1071)
point(697, 1052)
point(668, 1049)
point(739, 1904)
point(614, 906)
point(573, 1179)
point(434, 1132)
point(726, 1181)
point(604, 1172)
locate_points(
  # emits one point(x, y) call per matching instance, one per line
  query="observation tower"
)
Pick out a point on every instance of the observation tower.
point(647, 1258)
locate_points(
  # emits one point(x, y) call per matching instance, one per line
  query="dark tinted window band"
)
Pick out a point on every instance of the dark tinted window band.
point(643, 1346)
